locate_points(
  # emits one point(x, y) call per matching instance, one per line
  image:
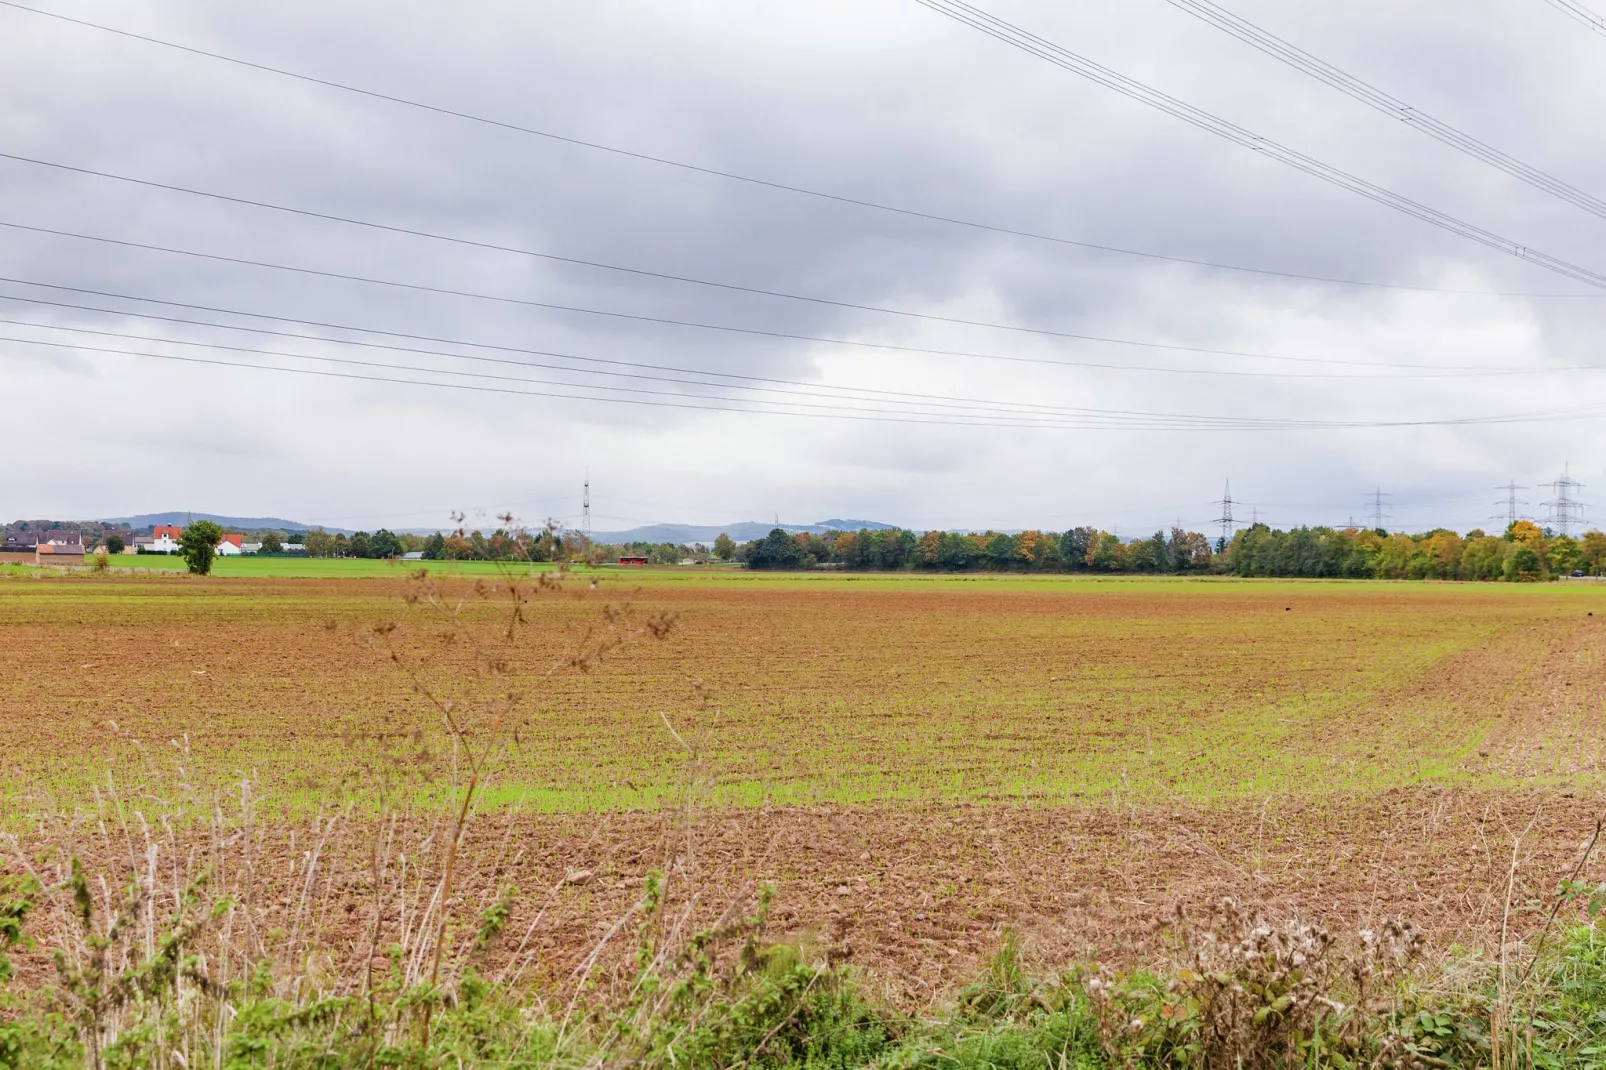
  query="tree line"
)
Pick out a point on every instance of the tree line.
point(1523, 552)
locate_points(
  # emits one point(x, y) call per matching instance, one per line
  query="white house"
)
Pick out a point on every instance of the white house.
point(164, 540)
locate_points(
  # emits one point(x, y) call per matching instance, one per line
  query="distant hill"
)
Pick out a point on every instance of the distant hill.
point(245, 523)
point(851, 525)
point(741, 531)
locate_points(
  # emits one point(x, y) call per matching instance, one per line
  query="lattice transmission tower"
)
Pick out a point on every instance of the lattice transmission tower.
point(1377, 510)
point(1510, 502)
point(1566, 510)
point(1228, 524)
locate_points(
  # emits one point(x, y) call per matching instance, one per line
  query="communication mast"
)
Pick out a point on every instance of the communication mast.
point(585, 510)
point(1565, 508)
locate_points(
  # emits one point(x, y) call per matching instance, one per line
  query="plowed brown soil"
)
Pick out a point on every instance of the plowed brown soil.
point(919, 898)
point(915, 763)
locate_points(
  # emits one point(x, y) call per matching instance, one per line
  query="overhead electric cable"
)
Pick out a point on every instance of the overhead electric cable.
point(1088, 419)
point(965, 410)
point(1016, 37)
point(1578, 11)
point(691, 323)
point(755, 331)
point(1444, 372)
point(791, 388)
point(1392, 106)
point(749, 179)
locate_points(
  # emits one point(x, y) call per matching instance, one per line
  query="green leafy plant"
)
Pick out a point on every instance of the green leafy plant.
point(198, 545)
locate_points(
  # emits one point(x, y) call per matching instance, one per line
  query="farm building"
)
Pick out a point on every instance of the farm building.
point(60, 548)
point(632, 560)
point(16, 541)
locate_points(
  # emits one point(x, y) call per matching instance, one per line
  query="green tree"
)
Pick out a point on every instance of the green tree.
point(360, 545)
point(1523, 565)
point(272, 544)
point(114, 544)
point(1105, 553)
point(1074, 547)
point(319, 543)
point(1000, 550)
point(1564, 556)
point(384, 543)
point(775, 550)
point(435, 547)
point(198, 544)
point(724, 547)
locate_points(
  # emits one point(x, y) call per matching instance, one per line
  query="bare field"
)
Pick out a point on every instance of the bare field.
point(809, 691)
point(916, 762)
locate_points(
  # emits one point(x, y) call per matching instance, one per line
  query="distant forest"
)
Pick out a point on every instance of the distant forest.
point(1524, 552)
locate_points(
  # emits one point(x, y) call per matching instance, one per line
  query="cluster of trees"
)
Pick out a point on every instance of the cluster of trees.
point(890, 549)
point(1524, 552)
point(380, 544)
point(656, 553)
point(501, 545)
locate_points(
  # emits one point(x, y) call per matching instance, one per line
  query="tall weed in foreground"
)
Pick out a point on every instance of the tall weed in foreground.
point(164, 925)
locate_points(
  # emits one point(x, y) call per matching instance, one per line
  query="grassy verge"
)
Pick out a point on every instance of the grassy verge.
point(1249, 994)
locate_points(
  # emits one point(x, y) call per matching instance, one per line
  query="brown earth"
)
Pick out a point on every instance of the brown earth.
point(1072, 760)
point(919, 897)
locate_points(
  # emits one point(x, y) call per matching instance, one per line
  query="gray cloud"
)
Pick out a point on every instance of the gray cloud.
point(884, 101)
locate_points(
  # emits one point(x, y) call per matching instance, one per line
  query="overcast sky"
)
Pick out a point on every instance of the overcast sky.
point(879, 100)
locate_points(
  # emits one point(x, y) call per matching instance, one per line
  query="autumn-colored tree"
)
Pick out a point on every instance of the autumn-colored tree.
point(1594, 549)
point(724, 547)
point(1105, 553)
point(1524, 531)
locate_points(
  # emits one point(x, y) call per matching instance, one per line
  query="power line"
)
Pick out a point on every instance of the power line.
point(1090, 420)
point(1578, 11)
point(1392, 106)
point(1020, 416)
point(701, 325)
point(1064, 420)
point(749, 179)
point(883, 397)
point(1012, 35)
point(1089, 423)
point(1448, 372)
